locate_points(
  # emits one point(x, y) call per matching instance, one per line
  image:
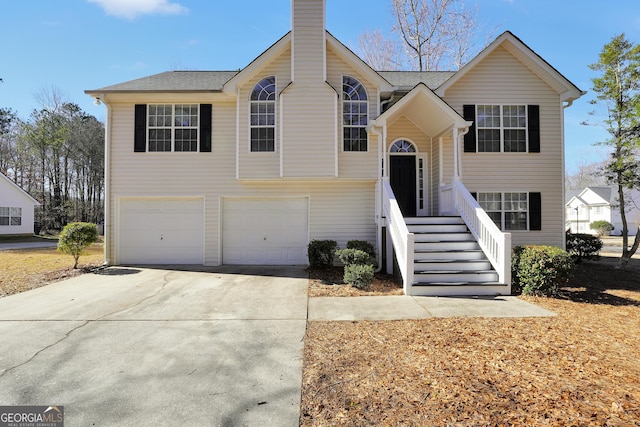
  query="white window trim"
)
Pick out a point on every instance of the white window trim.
point(173, 128)
point(275, 119)
point(503, 211)
point(502, 128)
point(10, 216)
point(343, 101)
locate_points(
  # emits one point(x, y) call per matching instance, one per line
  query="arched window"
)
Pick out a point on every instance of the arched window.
point(263, 115)
point(402, 146)
point(354, 115)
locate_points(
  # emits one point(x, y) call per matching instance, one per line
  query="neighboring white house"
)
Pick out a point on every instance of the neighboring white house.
point(309, 142)
point(16, 208)
point(601, 203)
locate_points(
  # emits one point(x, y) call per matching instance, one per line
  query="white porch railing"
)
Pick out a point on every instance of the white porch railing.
point(403, 241)
point(495, 244)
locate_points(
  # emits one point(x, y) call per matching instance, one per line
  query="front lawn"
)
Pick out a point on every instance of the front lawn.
point(21, 270)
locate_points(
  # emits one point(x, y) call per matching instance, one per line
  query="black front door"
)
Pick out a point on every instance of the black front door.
point(403, 182)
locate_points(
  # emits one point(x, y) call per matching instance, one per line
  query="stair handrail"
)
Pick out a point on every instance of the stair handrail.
point(403, 240)
point(495, 243)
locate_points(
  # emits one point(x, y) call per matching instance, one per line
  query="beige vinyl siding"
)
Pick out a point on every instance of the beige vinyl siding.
point(501, 79)
point(309, 147)
point(339, 209)
point(261, 165)
point(308, 37)
point(354, 164)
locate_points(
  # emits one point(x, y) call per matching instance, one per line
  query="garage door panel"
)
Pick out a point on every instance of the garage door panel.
point(265, 231)
point(161, 231)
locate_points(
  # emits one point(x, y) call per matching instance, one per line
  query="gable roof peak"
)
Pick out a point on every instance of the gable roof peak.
point(529, 58)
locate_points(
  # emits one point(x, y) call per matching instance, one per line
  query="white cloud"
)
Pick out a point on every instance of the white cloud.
point(130, 9)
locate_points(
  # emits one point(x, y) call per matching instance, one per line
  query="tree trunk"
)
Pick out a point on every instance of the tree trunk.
point(627, 252)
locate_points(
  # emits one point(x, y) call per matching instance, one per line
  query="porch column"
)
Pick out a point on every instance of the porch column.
point(456, 155)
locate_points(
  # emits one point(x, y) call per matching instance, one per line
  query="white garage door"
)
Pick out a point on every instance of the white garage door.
point(161, 231)
point(265, 231)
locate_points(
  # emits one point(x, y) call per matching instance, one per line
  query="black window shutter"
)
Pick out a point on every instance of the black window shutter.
point(469, 114)
point(140, 126)
point(474, 195)
point(535, 211)
point(205, 128)
point(534, 128)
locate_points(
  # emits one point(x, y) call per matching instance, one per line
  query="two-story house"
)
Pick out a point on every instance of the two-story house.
point(441, 171)
point(591, 204)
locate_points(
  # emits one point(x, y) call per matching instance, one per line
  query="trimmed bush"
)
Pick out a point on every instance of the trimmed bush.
point(362, 245)
point(75, 237)
point(601, 227)
point(360, 276)
point(583, 246)
point(353, 257)
point(542, 270)
point(320, 253)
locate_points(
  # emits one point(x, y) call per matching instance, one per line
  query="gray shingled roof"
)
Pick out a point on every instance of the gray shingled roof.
point(409, 79)
point(213, 81)
point(174, 81)
point(604, 192)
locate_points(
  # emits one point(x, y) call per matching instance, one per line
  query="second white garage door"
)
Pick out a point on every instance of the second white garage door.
point(265, 231)
point(161, 231)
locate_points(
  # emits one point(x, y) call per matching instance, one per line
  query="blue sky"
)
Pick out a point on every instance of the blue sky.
point(73, 45)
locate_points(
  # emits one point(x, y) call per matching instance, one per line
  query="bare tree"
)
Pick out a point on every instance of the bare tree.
point(433, 35)
point(588, 175)
point(379, 52)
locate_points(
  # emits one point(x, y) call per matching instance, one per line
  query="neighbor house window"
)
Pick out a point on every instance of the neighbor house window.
point(354, 115)
point(263, 115)
point(502, 128)
point(173, 127)
point(10, 216)
point(509, 211)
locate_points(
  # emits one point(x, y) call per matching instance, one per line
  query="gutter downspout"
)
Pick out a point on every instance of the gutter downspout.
point(107, 184)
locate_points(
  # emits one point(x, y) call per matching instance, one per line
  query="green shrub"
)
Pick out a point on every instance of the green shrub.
point(362, 245)
point(320, 253)
point(601, 227)
point(360, 276)
point(583, 246)
point(75, 237)
point(353, 256)
point(542, 270)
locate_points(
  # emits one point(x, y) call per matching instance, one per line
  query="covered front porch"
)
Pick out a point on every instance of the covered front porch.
point(442, 241)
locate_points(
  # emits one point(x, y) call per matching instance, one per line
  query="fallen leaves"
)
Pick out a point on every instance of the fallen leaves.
point(580, 368)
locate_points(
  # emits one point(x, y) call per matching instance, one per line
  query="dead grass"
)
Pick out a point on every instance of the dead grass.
point(22, 270)
point(580, 368)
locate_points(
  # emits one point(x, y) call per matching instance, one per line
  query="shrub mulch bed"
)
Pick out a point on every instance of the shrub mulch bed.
point(580, 368)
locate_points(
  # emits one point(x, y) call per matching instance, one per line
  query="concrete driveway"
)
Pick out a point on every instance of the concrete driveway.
point(134, 346)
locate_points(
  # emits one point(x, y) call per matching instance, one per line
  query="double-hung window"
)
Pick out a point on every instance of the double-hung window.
point(354, 115)
point(10, 216)
point(509, 211)
point(263, 115)
point(502, 128)
point(173, 127)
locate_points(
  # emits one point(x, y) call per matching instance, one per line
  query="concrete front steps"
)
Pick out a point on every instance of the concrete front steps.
point(448, 261)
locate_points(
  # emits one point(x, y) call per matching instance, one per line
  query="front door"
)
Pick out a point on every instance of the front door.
point(402, 177)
